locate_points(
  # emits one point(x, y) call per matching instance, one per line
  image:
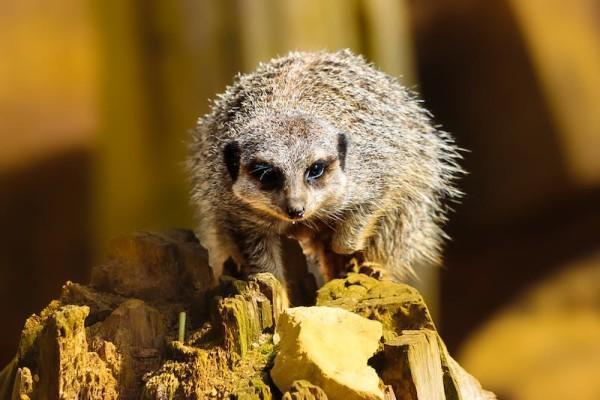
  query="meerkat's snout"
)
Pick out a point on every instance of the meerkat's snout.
point(295, 198)
point(295, 210)
point(296, 213)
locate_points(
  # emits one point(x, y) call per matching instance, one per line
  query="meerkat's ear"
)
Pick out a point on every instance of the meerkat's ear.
point(231, 155)
point(342, 148)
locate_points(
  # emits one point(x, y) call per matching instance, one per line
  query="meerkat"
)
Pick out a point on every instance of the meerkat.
point(328, 149)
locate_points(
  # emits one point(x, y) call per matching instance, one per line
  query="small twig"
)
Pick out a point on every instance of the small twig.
point(182, 326)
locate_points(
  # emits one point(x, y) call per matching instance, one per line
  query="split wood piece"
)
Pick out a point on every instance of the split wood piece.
point(252, 309)
point(58, 364)
point(412, 366)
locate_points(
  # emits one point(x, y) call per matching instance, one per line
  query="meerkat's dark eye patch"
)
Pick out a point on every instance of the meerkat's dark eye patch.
point(231, 154)
point(270, 177)
point(342, 149)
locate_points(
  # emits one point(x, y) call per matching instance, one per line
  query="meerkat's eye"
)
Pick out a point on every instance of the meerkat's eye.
point(269, 177)
point(315, 171)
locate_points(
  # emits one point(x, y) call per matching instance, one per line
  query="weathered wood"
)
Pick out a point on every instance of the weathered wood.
point(119, 337)
point(412, 366)
point(303, 390)
point(415, 362)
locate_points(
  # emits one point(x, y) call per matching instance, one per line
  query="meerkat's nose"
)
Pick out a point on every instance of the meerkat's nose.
point(295, 212)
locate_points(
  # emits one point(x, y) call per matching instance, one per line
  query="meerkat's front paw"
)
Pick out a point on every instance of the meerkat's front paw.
point(373, 270)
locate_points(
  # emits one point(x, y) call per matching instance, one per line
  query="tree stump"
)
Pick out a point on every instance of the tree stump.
point(119, 336)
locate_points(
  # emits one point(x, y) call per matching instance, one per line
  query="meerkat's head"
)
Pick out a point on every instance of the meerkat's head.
point(290, 167)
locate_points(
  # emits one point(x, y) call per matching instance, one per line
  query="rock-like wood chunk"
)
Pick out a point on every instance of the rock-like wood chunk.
point(304, 390)
point(328, 347)
point(397, 306)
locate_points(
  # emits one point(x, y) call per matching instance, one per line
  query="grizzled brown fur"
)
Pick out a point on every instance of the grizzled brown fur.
point(328, 149)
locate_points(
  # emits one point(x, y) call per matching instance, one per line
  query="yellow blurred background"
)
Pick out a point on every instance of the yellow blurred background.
point(97, 97)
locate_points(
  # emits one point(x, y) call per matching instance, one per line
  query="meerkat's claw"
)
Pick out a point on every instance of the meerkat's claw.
point(361, 266)
point(372, 269)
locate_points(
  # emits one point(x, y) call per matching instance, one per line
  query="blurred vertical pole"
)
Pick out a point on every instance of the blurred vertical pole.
point(389, 38)
point(567, 59)
point(258, 37)
point(317, 25)
point(188, 55)
point(161, 62)
point(124, 166)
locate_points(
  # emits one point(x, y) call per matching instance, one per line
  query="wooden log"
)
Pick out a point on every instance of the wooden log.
point(119, 336)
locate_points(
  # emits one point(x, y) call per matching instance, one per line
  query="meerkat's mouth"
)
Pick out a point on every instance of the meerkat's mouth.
point(280, 214)
point(295, 220)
